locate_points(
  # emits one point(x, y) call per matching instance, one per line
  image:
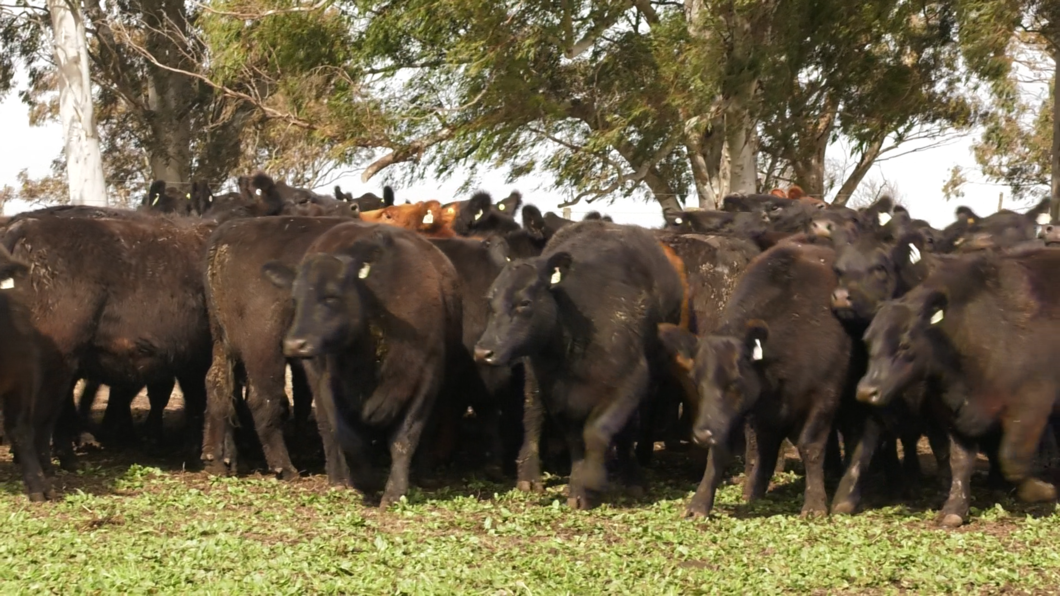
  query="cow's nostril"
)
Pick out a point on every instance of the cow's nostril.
point(484, 355)
point(295, 347)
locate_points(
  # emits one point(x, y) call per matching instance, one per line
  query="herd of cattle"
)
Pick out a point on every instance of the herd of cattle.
point(418, 328)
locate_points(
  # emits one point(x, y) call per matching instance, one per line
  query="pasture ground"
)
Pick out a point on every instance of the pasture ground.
point(131, 523)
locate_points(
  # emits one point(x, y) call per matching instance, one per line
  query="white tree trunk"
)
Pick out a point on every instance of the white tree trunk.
point(1055, 166)
point(740, 142)
point(84, 164)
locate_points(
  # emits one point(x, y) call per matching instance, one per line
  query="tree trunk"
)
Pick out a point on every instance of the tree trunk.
point(169, 95)
point(1054, 208)
point(705, 153)
point(665, 195)
point(84, 163)
point(868, 157)
point(740, 140)
point(809, 165)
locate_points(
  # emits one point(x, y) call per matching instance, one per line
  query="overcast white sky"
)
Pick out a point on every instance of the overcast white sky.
point(919, 177)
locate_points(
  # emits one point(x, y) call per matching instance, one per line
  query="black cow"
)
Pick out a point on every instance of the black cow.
point(122, 300)
point(117, 420)
point(983, 331)
point(31, 403)
point(381, 307)
point(161, 198)
point(478, 217)
point(779, 357)
point(870, 272)
point(248, 318)
point(713, 265)
point(488, 389)
point(1002, 230)
point(368, 201)
point(584, 315)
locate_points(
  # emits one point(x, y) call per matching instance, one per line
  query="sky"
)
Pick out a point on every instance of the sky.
point(918, 176)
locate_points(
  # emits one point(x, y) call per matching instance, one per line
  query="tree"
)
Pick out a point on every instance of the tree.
point(684, 100)
point(160, 113)
point(1020, 142)
point(84, 164)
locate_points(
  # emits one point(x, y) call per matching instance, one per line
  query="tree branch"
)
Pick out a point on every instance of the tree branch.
point(637, 175)
point(407, 153)
point(253, 16)
point(578, 48)
point(271, 112)
point(868, 157)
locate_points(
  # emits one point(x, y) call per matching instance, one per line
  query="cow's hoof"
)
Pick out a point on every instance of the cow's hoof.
point(288, 474)
point(1033, 490)
point(696, 511)
point(36, 497)
point(950, 520)
point(530, 486)
point(844, 508)
point(813, 511)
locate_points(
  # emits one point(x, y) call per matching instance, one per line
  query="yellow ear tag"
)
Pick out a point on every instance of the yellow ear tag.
point(363, 273)
point(556, 276)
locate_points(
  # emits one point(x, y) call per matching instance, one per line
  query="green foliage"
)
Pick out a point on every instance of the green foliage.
point(1016, 147)
point(123, 528)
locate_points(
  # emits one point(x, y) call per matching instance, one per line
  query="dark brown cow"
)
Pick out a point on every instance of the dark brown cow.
point(983, 331)
point(248, 317)
point(584, 315)
point(161, 198)
point(30, 414)
point(777, 356)
point(381, 308)
point(122, 300)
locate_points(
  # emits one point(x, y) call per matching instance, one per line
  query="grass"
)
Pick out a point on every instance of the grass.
point(122, 527)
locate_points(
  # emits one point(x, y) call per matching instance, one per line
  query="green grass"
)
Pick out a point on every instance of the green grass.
point(126, 528)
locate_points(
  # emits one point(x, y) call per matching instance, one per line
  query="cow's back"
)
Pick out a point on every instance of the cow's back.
point(620, 276)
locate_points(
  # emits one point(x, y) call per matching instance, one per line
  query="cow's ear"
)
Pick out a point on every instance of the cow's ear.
point(388, 196)
point(11, 270)
point(1039, 214)
point(934, 310)
point(755, 337)
point(534, 222)
point(511, 204)
point(967, 215)
point(680, 343)
point(279, 274)
point(479, 206)
point(557, 268)
point(909, 250)
point(364, 254)
point(675, 219)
